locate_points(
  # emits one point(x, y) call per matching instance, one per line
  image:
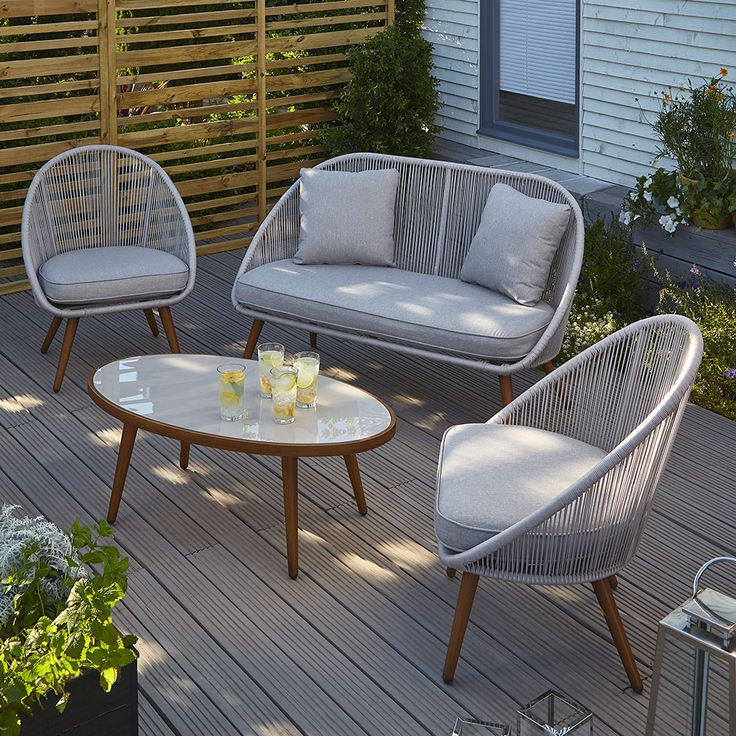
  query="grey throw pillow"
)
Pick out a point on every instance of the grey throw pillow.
point(516, 242)
point(347, 217)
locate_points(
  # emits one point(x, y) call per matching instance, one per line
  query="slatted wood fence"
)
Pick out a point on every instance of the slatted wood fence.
point(229, 97)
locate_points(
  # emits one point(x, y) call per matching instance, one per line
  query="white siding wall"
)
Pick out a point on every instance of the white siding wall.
point(452, 27)
point(627, 53)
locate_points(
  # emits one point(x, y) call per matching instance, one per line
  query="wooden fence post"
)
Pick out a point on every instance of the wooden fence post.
point(261, 100)
point(107, 72)
point(390, 12)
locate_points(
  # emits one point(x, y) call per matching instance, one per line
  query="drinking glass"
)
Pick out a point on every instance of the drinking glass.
point(231, 379)
point(270, 355)
point(283, 393)
point(307, 365)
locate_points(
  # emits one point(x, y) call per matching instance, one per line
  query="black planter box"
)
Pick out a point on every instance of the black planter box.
point(90, 710)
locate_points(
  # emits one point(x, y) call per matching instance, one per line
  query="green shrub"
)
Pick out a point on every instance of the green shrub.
point(390, 103)
point(611, 288)
point(712, 306)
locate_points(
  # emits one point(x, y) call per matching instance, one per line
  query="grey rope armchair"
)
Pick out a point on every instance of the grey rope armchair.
point(556, 488)
point(104, 230)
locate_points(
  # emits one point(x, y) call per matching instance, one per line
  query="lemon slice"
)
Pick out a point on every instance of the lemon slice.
point(305, 378)
point(228, 397)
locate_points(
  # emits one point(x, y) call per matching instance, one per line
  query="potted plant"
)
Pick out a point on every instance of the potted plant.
point(64, 666)
point(696, 127)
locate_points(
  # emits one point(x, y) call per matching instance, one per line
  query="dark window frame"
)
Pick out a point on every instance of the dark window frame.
point(490, 124)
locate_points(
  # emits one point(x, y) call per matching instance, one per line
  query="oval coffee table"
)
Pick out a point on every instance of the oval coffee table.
point(177, 396)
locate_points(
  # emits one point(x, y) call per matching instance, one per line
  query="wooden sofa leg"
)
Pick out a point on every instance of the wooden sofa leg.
point(607, 602)
point(548, 367)
point(313, 340)
point(51, 334)
point(507, 391)
point(168, 323)
point(464, 605)
point(151, 319)
point(253, 335)
point(70, 332)
point(451, 572)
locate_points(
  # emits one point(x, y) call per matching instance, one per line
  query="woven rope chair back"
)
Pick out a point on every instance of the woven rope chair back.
point(439, 206)
point(102, 196)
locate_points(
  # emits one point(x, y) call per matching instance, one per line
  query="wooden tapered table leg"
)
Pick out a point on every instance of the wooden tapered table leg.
point(51, 334)
point(66, 349)
point(464, 605)
point(291, 513)
point(607, 603)
point(168, 322)
point(121, 470)
point(184, 455)
point(151, 319)
point(253, 335)
point(351, 461)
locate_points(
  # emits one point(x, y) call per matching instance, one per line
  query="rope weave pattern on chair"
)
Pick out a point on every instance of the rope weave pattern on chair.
point(625, 395)
point(97, 196)
point(438, 211)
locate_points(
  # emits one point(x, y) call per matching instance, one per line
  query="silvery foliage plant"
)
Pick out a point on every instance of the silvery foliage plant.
point(50, 544)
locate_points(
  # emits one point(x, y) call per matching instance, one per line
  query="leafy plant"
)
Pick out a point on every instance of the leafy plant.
point(390, 103)
point(658, 196)
point(695, 127)
point(610, 292)
point(712, 306)
point(55, 619)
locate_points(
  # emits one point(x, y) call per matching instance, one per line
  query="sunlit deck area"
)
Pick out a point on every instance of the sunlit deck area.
point(230, 645)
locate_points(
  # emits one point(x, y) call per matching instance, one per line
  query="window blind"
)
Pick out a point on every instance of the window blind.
point(538, 41)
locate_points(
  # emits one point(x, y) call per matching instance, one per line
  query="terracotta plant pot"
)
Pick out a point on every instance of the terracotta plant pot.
point(704, 218)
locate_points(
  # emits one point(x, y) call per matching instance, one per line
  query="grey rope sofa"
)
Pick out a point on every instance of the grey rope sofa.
point(420, 307)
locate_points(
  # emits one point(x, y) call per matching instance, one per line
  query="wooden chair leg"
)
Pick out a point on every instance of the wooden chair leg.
point(548, 367)
point(507, 391)
point(451, 572)
point(151, 319)
point(607, 603)
point(253, 335)
point(313, 340)
point(464, 605)
point(70, 332)
point(168, 322)
point(613, 582)
point(51, 334)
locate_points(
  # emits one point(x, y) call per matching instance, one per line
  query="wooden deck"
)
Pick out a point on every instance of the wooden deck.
point(230, 645)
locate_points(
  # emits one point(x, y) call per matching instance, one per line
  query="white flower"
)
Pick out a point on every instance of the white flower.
point(668, 223)
point(624, 217)
point(648, 182)
point(636, 217)
point(678, 211)
point(648, 196)
point(673, 203)
point(634, 196)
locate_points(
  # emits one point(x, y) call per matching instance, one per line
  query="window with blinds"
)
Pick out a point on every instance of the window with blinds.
point(529, 53)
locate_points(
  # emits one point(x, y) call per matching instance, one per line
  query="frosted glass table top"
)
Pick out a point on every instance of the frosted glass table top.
point(180, 392)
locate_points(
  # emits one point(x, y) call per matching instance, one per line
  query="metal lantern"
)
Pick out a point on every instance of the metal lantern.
point(705, 625)
point(471, 727)
point(554, 714)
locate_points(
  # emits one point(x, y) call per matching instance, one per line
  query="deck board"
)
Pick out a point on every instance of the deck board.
point(229, 645)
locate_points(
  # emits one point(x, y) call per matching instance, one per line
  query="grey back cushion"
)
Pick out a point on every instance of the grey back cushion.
point(346, 217)
point(516, 242)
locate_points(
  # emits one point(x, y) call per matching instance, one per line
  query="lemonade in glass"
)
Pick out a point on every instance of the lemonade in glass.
point(283, 394)
point(270, 355)
point(307, 365)
point(231, 379)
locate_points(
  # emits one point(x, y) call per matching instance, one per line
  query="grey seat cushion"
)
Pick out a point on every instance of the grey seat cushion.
point(430, 312)
point(112, 274)
point(492, 475)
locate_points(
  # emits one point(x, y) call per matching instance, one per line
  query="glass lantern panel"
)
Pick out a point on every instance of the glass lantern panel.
point(554, 714)
point(472, 727)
